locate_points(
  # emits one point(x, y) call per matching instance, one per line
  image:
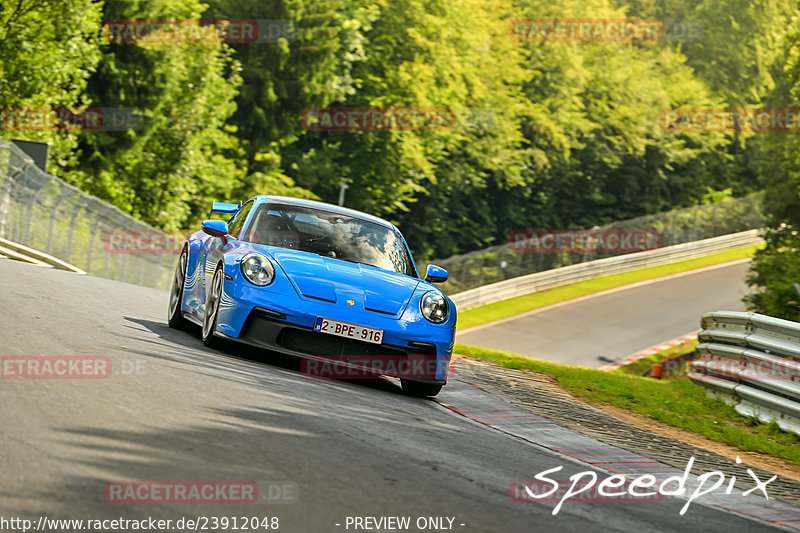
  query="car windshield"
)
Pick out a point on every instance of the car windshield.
point(330, 235)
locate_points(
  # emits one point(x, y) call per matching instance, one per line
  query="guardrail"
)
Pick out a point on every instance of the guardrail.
point(41, 212)
point(504, 261)
point(557, 277)
point(753, 362)
point(29, 255)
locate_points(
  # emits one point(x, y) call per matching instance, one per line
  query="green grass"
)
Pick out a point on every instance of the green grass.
point(514, 306)
point(679, 403)
point(640, 366)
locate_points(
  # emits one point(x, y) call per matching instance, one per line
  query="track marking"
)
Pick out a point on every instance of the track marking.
point(650, 351)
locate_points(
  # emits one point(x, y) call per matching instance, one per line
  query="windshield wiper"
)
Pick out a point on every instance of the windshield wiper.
point(352, 261)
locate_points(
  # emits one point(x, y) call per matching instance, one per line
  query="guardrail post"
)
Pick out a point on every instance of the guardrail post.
point(53, 211)
point(91, 246)
point(5, 190)
point(78, 207)
point(29, 221)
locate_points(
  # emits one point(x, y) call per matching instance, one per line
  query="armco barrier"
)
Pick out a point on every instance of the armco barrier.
point(557, 277)
point(41, 212)
point(752, 361)
point(504, 261)
point(26, 254)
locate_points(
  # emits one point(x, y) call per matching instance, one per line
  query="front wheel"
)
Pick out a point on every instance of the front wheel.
point(175, 317)
point(212, 310)
point(420, 390)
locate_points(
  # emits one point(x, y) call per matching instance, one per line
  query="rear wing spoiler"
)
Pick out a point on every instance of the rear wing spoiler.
point(224, 208)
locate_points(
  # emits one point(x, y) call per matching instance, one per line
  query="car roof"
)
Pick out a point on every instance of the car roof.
point(313, 204)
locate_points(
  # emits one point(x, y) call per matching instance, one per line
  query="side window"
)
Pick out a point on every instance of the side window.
point(236, 224)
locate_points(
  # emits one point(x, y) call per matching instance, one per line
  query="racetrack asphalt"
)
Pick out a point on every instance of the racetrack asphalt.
point(604, 328)
point(173, 409)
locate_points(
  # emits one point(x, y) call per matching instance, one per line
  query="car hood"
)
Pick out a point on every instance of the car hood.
point(334, 280)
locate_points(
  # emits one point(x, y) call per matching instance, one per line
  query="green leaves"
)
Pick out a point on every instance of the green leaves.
point(48, 49)
point(168, 170)
point(546, 134)
point(777, 266)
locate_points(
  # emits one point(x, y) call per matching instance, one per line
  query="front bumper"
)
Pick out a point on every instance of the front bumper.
point(331, 356)
point(284, 323)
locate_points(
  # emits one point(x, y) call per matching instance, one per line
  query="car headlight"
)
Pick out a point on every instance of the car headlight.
point(434, 307)
point(258, 270)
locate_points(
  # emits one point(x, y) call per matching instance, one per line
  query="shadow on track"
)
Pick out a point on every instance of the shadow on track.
point(186, 347)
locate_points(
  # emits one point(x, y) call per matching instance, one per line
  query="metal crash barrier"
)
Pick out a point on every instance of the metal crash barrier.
point(607, 266)
point(41, 213)
point(753, 362)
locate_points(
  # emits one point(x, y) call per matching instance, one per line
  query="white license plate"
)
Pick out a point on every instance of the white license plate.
point(350, 331)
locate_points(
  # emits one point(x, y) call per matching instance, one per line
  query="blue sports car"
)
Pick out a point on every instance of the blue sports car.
point(335, 286)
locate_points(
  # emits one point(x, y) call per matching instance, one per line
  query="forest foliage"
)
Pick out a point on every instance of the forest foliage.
point(546, 135)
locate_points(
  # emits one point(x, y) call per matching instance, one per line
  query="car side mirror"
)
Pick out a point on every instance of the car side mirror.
point(216, 228)
point(435, 274)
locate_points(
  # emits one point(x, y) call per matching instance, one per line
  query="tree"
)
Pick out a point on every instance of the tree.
point(594, 149)
point(777, 266)
point(167, 170)
point(305, 67)
point(48, 49)
point(415, 56)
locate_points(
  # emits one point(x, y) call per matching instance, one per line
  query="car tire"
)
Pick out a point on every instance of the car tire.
point(175, 317)
point(212, 310)
point(420, 390)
